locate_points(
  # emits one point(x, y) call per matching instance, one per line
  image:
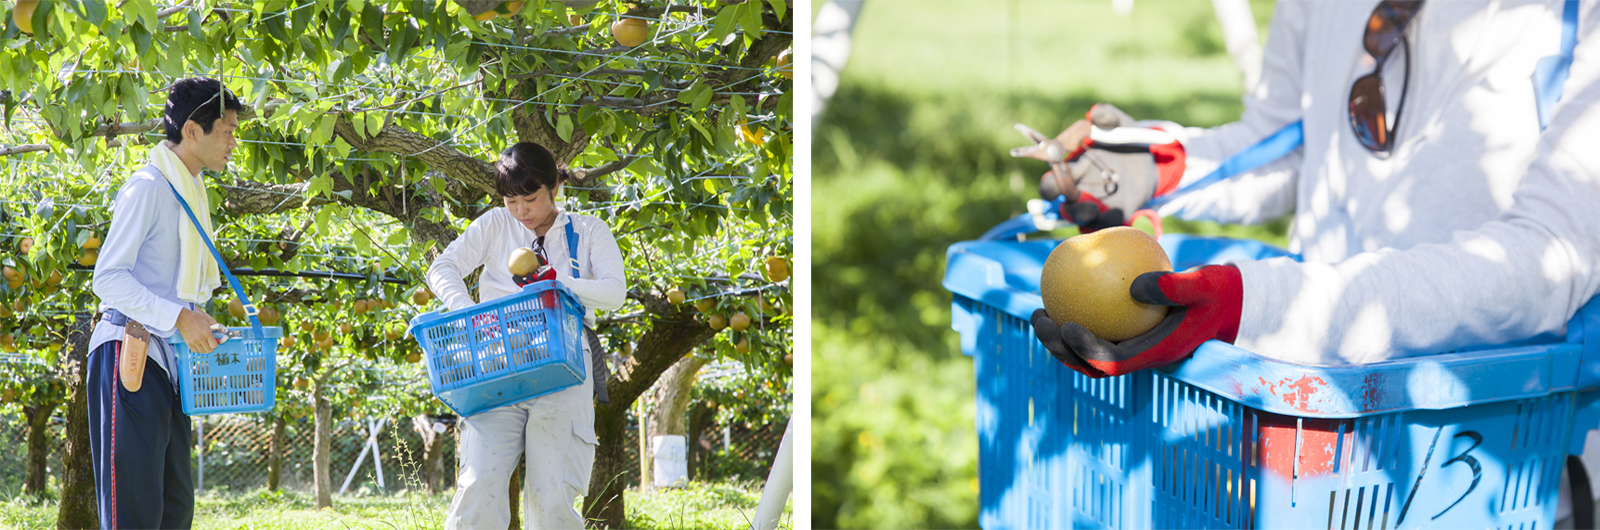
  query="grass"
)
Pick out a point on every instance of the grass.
point(699, 506)
point(911, 156)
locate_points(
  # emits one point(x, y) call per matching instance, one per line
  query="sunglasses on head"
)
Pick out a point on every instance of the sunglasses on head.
point(1386, 29)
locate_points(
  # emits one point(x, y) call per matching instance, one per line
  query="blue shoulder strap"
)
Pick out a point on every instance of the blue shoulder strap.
point(1551, 72)
point(1273, 147)
point(249, 308)
point(572, 248)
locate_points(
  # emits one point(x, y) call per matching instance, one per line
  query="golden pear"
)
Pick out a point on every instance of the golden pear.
point(523, 261)
point(630, 32)
point(777, 269)
point(1086, 279)
point(22, 15)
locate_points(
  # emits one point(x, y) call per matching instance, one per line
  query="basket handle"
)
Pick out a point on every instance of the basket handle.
point(249, 308)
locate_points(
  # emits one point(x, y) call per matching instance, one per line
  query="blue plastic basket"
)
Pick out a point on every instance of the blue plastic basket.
point(503, 351)
point(239, 376)
point(1231, 439)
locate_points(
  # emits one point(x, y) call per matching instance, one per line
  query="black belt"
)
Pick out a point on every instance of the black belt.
point(114, 317)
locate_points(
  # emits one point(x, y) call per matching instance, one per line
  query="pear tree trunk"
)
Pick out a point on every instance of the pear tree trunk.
point(275, 457)
point(657, 350)
point(323, 412)
point(77, 508)
point(34, 481)
point(515, 491)
point(700, 416)
point(432, 452)
point(672, 393)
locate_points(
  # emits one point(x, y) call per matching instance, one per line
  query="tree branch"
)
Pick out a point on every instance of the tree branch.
point(163, 14)
point(248, 197)
point(436, 154)
point(25, 148)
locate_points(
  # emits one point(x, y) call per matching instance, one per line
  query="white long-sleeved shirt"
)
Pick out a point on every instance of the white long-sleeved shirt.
point(137, 270)
point(1480, 229)
point(488, 243)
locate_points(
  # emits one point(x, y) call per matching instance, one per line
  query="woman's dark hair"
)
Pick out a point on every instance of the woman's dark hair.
point(195, 99)
point(526, 168)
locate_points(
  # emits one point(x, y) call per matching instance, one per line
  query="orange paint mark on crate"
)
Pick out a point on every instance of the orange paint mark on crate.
point(1298, 394)
point(1319, 440)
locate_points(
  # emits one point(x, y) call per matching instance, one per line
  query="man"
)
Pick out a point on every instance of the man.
point(153, 272)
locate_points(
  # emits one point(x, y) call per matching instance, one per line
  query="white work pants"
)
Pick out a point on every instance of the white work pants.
point(557, 434)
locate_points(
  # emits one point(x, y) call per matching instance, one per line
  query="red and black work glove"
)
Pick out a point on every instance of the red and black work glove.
point(1106, 167)
point(1205, 305)
point(521, 281)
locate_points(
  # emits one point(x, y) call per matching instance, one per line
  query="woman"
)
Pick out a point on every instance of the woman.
point(556, 431)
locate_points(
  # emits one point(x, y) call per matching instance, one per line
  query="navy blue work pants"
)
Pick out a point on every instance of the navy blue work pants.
point(140, 442)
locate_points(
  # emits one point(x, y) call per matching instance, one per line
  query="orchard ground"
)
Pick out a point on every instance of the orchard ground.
point(712, 506)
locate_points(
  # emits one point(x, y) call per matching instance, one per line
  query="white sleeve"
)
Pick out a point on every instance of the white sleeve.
point(132, 220)
point(1521, 275)
point(604, 287)
point(464, 255)
point(1268, 191)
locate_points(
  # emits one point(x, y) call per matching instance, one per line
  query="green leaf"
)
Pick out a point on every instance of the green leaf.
point(564, 127)
point(194, 24)
point(94, 11)
point(750, 19)
point(324, 130)
point(374, 124)
point(397, 238)
point(779, 7)
point(359, 238)
point(726, 22)
point(703, 98)
point(701, 128)
point(340, 148)
point(302, 21)
point(340, 27)
point(687, 95)
point(322, 219)
point(398, 42)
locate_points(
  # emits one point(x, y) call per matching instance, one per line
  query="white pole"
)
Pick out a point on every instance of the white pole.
point(364, 448)
point(830, 48)
point(377, 458)
point(1241, 38)
point(727, 438)
point(779, 482)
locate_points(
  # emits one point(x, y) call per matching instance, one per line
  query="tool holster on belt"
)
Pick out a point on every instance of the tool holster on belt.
point(135, 346)
point(597, 364)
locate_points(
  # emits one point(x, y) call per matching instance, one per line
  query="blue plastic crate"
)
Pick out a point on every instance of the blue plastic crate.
point(1231, 439)
point(239, 376)
point(503, 351)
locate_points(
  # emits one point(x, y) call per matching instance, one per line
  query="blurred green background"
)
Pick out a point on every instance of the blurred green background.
point(911, 156)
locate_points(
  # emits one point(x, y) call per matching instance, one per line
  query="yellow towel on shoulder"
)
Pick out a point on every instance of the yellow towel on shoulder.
point(198, 275)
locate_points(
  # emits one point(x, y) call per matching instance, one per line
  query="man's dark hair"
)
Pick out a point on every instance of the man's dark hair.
point(196, 99)
point(526, 168)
